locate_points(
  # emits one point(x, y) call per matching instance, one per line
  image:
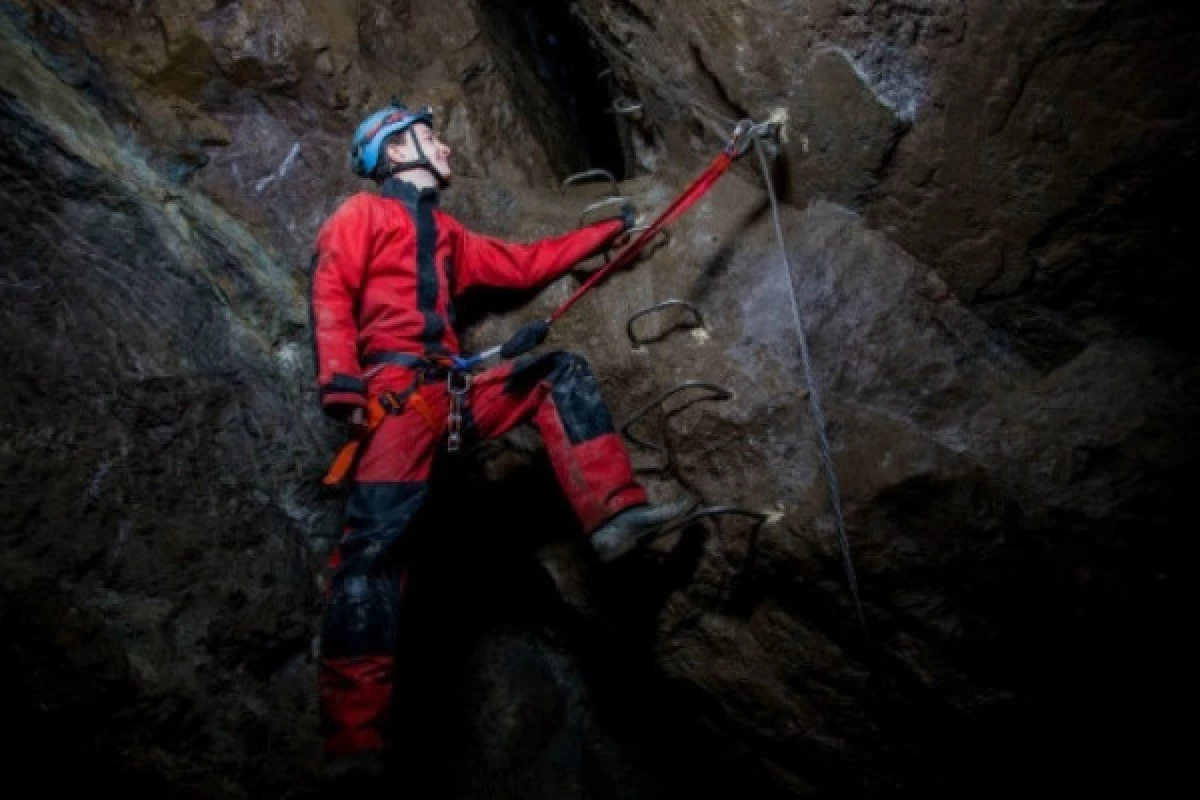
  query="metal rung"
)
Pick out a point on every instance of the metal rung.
point(716, 392)
point(636, 342)
point(714, 511)
point(608, 201)
point(592, 174)
point(625, 106)
point(661, 239)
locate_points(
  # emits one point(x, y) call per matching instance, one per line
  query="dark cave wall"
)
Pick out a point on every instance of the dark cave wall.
point(556, 76)
point(156, 549)
point(994, 270)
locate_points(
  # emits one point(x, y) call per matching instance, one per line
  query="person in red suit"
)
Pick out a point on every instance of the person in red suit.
point(387, 269)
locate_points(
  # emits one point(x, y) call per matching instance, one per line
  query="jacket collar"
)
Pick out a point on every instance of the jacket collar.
point(409, 194)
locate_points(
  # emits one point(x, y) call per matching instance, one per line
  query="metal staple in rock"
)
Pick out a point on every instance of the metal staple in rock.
point(636, 341)
point(715, 392)
point(589, 174)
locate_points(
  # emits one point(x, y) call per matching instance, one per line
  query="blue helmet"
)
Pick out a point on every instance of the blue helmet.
point(372, 131)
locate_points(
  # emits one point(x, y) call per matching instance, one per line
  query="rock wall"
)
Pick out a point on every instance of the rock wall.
point(159, 452)
point(1032, 152)
point(991, 265)
point(251, 102)
point(1013, 528)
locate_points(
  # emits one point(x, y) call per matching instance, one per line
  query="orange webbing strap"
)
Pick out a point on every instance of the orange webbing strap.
point(346, 456)
point(377, 409)
point(421, 406)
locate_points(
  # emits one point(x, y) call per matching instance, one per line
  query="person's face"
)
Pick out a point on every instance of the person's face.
point(437, 150)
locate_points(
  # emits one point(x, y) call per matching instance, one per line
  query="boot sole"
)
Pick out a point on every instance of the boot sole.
point(633, 542)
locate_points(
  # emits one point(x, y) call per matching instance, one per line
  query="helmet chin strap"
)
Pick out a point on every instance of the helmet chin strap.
point(422, 162)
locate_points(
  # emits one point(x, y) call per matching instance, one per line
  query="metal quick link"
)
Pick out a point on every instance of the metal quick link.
point(457, 383)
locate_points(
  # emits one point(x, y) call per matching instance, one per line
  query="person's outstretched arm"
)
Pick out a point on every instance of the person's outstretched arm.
point(486, 261)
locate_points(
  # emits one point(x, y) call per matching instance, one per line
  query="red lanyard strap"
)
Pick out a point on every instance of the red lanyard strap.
point(534, 333)
point(682, 203)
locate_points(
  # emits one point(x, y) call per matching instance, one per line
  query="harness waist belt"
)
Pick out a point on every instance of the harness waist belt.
point(396, 357)
point(429, 369)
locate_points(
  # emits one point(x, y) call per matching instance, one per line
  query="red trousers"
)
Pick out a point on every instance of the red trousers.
point(558, 393)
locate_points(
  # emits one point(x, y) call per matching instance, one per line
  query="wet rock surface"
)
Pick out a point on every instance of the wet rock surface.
point(990, 262)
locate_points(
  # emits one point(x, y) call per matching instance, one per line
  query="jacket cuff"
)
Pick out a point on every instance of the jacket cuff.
point(343, 391)
point(615, 234)
point(628, 217)
point(616, 225)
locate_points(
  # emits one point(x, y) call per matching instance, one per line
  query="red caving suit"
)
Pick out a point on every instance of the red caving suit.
point(385, 274)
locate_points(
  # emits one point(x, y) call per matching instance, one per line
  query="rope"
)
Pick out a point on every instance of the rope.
point(814, 401)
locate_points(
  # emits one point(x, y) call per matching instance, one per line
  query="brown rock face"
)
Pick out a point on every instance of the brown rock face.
point(253, 102)
point(985, 212)
point(1026, 151)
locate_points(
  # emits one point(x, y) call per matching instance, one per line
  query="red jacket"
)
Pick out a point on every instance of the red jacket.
point(388, 267)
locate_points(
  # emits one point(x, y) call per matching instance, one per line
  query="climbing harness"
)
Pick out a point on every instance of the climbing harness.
point(349, 451)
point(457, 373)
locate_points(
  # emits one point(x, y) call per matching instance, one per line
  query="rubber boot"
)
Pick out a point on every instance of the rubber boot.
point(628, 528)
